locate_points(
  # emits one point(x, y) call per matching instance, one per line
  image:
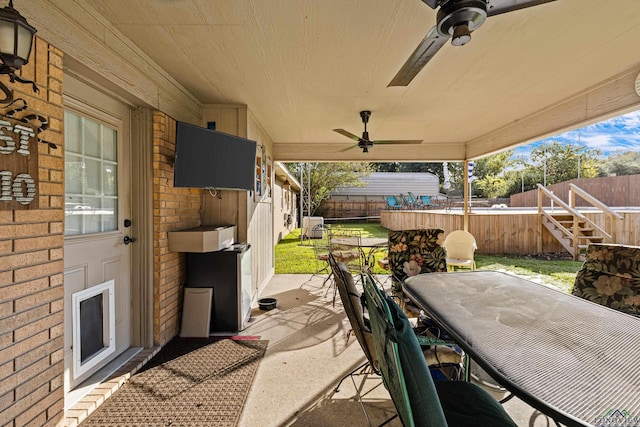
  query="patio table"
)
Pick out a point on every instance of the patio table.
point(372, 243)
point(571, 359)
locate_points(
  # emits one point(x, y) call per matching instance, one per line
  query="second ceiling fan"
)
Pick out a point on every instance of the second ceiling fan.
point(364, 142)
point(456, 19)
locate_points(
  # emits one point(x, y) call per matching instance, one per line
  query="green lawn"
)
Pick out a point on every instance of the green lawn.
point(292, 257)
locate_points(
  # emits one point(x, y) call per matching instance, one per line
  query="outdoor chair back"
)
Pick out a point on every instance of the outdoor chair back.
point(415, 201)
point(407, 202)
point(610, 276)
point(413, 252)
point(345, 245)
point(418, 400)
point(426, 201)
point(321, 253)
point(460, 247)
point(392, 203)
point(352, 304)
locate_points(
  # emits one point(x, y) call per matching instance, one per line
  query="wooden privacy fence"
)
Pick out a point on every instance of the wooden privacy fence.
point(351, 208)
point(509, 231)
point(614, 191)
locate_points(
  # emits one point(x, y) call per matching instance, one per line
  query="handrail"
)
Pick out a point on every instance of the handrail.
point(572, 210)
point(595, 202)
point(559, 201)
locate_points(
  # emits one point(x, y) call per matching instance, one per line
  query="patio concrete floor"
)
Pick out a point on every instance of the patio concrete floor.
point(307, 355)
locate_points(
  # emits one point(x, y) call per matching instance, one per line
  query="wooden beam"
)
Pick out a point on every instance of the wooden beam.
point(605, 100)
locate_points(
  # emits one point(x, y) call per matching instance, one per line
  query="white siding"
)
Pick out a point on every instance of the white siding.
point(381, 184)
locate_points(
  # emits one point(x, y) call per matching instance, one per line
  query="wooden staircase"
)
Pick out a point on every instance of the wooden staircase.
point(573, 230)
point(560, 225)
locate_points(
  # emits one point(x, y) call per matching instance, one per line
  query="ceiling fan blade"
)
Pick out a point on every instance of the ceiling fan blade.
point(400, 141)
point(496, 7)
point(349, 148)
point(428, 47)
point(347, 134)
point(431, 3)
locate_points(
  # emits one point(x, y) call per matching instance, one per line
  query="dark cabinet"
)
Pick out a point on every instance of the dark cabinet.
point(228, 273)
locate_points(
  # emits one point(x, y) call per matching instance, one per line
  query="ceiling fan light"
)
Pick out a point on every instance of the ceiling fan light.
point(461, 35)
point(451, 15)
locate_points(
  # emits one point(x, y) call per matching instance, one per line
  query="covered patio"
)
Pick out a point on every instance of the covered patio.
point(295, 76)
point(310, 349)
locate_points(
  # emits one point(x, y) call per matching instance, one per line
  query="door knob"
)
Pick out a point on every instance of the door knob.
point(128, 240)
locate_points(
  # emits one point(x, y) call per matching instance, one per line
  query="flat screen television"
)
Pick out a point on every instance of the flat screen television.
point(209, 159)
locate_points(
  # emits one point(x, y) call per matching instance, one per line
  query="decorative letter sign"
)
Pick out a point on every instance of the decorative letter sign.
point(18, 164)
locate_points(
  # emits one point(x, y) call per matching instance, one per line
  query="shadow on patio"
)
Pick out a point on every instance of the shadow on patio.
point(307, 355)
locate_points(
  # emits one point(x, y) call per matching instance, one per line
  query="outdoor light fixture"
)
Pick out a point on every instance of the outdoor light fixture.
point(286, 184)
point(16, 39)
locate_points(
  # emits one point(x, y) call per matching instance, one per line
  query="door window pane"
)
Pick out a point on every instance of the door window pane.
point(91, 176)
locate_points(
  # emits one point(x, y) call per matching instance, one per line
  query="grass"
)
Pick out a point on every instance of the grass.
point(292, 257)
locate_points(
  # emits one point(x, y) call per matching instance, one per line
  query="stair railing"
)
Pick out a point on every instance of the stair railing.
point(610, 214)
point(577, 217)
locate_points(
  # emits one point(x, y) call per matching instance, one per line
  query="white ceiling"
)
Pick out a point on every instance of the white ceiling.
point(305, 67)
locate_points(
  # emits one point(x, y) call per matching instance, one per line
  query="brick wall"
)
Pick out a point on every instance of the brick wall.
point(31, 265)
point(173, 209)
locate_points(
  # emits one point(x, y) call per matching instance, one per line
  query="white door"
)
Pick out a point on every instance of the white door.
point(97, 220)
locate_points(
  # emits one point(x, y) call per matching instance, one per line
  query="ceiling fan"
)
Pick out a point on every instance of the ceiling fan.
point(456, 19)
point(365, 143)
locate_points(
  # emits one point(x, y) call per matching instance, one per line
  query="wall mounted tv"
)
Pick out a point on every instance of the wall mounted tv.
point(210, 159)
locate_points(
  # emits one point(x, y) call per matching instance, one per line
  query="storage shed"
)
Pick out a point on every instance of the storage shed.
point(379, 185)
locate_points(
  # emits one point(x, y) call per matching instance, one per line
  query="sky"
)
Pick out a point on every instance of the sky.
point(609, 136)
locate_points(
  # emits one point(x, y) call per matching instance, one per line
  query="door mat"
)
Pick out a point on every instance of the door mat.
point(190, 382)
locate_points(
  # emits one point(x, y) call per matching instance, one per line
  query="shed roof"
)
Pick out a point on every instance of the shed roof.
point(393, 183)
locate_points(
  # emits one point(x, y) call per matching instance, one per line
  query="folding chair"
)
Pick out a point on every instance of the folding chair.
point(392, 203)
point(351, 302)
point(419, 400)
point(345, 245)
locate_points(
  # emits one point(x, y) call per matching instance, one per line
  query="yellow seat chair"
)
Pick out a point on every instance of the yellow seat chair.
point(460, 247)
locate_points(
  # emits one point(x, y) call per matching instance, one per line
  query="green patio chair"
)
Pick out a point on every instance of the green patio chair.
point(351, 302)
point(419, 400)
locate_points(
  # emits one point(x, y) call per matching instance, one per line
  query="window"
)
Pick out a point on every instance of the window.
point(91, 176)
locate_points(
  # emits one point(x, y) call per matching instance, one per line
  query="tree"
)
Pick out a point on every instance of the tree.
point(621, 163)
point(326, 177)
point(492, 174)
point(555, 162)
